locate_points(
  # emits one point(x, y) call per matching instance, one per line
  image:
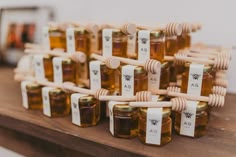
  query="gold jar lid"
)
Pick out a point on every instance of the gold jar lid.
point(32, 85)
point(165, 112)
point(165, 65)
point(201, 106)
point(87, 100)
point(67, 61)
point(157, 34)
point(206, 68)
point(124, 108)
point(56, 91)
point(80, 30)
point(117, 32)
point(139, 70)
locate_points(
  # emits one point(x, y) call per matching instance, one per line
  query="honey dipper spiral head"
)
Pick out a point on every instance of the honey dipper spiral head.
point(221, 82)
point(144, 96)
point(173, 29)
point(100, 92)
point(173, 89)
point(216, 100)
point(78, 57)
point(129, 28)
point(221, 63)
point(178, 104)
point(219, 90)
point(152, 66)
point(112, 62)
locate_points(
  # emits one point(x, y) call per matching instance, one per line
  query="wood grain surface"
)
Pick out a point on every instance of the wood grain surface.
point(97, 141)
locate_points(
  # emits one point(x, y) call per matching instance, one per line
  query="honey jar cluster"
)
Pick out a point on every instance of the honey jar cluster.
point(152, 126)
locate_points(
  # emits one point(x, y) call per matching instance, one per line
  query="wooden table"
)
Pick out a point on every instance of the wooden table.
point(97, 141)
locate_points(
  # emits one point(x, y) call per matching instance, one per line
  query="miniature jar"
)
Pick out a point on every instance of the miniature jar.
point(133, 79)
point(114, 43)
point(57, 37)
point(56, 102)
point(152, 133)
point(85, 110)
point(184, 41)
point(82, 40)
point(31, 95)
point(64, 70)
point(43, 67)
point(165, 75)
point(207, 80)
point(123, 120)
point(201, 120)
point(171, 45)
point(157, 45)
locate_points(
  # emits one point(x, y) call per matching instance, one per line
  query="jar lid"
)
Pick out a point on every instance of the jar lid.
point(139, 70)
point(201, 106)
point(124, 108)
point(164, 65)
point(33, 85)
point(206, 68)
point(56, 91)
point(87, 100)
point(117, 32)
point(158, 33)
point(165, 112)
point(80, 30)
point(67, 61)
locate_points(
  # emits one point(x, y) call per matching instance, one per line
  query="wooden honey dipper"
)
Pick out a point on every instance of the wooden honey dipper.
point(165, 91)
point(127, 28)
point(177, 104)
point(111, 62)
point(219, 90)
point(213, 100)
point(77, 56)
point(67, 86)
point(149, 65)
point(33, 46)
point(140, 96)
point(212, 52)
point(170, 29)
point(186, 28)
point(221, 82)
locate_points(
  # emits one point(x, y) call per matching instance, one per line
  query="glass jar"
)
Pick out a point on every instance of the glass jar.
point(31, 95)
point(166, 131)
point(201, 120)
point(165, 75)
point(140, 80)
point(82, 40)
point(64, 70)
point(157, 45)
point(85, 110)
point(184, 41)
point(125, 120)
point(43, 67)
point(56, 102)
point(207, 80)
point(171, 47)
point(57, 37)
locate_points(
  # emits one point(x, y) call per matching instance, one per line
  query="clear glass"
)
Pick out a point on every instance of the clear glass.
point(69, 71)
point(82, 42)
point(119, 44)
point(171, 45)
point(157, 47)
point(34, 95)
point(48, 68)
point(184, 41)
point(57, 39)
point(165, 76)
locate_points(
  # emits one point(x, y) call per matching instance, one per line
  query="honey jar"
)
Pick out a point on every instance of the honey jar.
point(123, 120)
point(192, 121)
point(64, 70)
point(43, 67)
point(85, 110)
point(197, 79)
point(155, 126)
point(57, 37)
point(171, 45)
point(114, 43)
point(31, 95)
point(133, 79)
point(151, 45)
point(184, 41)
point(56, 102)
point(132, 46)
point(101, 76)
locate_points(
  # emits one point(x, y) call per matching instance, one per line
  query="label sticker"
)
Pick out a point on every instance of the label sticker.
point(95, 75)
point(70, 40)
point(143, 45)
point(188, 117)
point(195, 79)
point(127, 80)
point(107, 42)
point(131, 45)
point(39, 66)
point(154, 124)
point(46, 101)
point(57, 69)
point(75, 108)
point(45, 38)
point(154, 80)
point(24, 94)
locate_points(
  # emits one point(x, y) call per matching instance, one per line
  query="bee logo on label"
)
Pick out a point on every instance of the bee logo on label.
point(95, 72)
point(74, 105)
point(144, 40)
point(57, 67)
point(127, 77)
point(188, 115)
point(107, 38)
point(154, 121)
point(70, 37)
point(45, 98)
point(131, 37)
point(38, 63)
point(195, 76)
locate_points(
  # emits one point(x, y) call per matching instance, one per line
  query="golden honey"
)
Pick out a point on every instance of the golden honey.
point(125, 121)
point(200, 121)
point(184, 41)
point(82, 42)
point(207, 82)
point(166, 130)
point(57, 37)
point(34, 95)
point(107, 78)
point(157, 45)
point(171, 46)
point(165, 75)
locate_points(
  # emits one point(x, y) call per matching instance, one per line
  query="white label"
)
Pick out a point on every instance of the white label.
point(154, 80)
point(24, 94)
point(75, 108)
point(45, 38)
point(95, 75)
point(70, 40)
point(127, 80)
point(154, 124)
point(57, 69)
point(131, 44)
point(107, 42)
point(46, 101)
point(188, 117)
point(144, 45)
point(195, 79)
point(39, 67)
